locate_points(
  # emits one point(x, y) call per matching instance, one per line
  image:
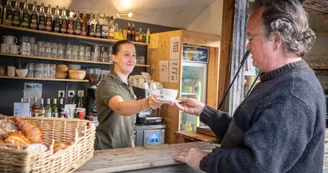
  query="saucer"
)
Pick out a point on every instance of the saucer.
point(167, 101)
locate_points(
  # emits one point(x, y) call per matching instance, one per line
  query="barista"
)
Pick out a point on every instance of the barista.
point(116, 102)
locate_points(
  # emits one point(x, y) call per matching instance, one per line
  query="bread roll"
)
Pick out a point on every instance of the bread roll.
point(61, 146)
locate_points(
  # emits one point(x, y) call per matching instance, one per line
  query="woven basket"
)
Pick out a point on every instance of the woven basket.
point(81, 132)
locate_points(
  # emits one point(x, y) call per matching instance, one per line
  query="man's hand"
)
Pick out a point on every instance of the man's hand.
point(191, 156)
point(190, 106)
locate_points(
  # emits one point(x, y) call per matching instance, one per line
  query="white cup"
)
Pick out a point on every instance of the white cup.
point(4, 48)
point(168, 95)
point(15, 49)
point(9, 39)
point(11, 70)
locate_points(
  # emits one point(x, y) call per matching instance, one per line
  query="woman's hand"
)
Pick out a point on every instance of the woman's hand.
point(152, 102)
point(190, 106)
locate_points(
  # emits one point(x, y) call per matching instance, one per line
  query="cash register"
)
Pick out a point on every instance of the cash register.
point(149, 127)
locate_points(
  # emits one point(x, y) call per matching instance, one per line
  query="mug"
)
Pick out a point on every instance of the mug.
point(9, 39)
point(2, 70)
point(4, 48)
point(14, 49)
point(167, 95)
point(11, 70)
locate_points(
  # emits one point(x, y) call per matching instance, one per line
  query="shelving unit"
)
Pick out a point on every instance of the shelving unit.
point(319, 67)
point(42, 79)
point(65, 60)
point(65, 35)
point(321, 33)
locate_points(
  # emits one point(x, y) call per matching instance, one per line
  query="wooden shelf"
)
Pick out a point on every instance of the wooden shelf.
point(42, 79)
point(319, 67)
point(66, 60)
point(189, 94)
point(65, 35)
point(321, 33)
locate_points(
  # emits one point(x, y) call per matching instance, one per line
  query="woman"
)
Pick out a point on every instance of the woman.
point(116, 101)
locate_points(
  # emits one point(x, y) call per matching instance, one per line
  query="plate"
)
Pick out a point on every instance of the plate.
point(167, 101)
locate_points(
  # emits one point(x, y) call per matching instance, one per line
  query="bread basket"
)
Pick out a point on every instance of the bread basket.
point(77, 74)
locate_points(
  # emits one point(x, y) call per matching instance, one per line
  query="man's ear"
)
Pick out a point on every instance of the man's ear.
point(277, 38)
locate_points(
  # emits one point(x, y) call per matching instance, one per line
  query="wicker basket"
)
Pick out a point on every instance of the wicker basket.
point(81, 132)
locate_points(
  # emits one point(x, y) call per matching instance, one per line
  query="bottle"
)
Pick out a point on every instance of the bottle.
point(49, 19)
point(92, 25)
point(1, 13)
point(98, 26)
point(42, 109)
point(104, 27)
point(148, 36)
point(30, 111)
point(144, 37)
point(129, 34)
point(34, 108)
point(111, 28)
point(8, 14)
point(34, 19)
point(70, 23)
point(42, 18)
point(48, 109)
point(140, 35)
point(61, 108)
point(84, 25)
point(77, 24)
point(136, 37)
point(120, 34)
point(133, 32)
point(26, 16)
point(63, 21)
point(57, 20)
point(16, 14)
point(116, 32)
point(54, 109)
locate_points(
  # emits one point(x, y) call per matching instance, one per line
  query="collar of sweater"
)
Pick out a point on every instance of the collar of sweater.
point(284, 69)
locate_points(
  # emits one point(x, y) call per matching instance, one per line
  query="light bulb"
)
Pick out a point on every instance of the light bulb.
point(130, 14)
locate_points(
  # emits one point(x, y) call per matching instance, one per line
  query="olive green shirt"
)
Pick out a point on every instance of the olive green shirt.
point(114, 130)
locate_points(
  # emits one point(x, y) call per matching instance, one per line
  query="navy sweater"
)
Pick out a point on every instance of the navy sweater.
point(278, 128)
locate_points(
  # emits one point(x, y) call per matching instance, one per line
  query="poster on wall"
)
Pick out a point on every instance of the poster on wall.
point(174, 71)
point(175, 48)
point(164, 71)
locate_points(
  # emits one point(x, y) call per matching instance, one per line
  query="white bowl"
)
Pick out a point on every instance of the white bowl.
point(74, 67)
point(21, 72)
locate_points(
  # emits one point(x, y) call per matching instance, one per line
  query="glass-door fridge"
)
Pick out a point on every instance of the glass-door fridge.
point(193, 85)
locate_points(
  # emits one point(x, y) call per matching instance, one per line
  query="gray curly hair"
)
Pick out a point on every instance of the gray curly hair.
point(290, 19)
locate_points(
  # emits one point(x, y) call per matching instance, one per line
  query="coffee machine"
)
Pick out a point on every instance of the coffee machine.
point(149, 128)
point(148, 116)
point(93, 75)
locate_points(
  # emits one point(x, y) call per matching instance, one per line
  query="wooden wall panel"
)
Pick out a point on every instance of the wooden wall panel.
point(159, 50)
point(213, 76)
point(226, 47)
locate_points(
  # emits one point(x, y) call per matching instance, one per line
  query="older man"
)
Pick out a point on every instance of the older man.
point(280, 126)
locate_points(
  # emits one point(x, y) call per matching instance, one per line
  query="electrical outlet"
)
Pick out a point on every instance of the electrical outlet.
point(70, 93)
point(80, 93)
point(61, 93)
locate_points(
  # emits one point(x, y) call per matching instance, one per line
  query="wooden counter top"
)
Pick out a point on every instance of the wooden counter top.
point(149, 157)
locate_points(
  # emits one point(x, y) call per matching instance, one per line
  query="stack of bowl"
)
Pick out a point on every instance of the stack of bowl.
point(61, 71)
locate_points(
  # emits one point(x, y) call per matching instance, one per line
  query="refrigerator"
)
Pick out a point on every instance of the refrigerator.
point(193, 84)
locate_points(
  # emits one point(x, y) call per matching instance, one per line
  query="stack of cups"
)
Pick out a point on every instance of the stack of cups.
point(9, 45)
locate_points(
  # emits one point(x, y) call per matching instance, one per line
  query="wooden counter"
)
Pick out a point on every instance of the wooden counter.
point(151, 159)
point(156, 158)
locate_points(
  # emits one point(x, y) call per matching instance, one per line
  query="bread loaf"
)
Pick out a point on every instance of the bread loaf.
point(30, 130)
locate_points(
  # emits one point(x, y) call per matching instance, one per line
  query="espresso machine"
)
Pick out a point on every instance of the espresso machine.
point(93, 75)
point(149, 128)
